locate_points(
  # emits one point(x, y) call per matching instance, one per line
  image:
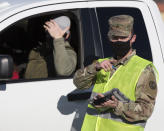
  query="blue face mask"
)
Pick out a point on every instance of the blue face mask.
point(120, 49)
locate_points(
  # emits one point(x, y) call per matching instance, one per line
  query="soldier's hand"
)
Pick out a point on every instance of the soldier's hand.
point(110, 103)
point(54, 30)
point(106, 65)
point(98, 96)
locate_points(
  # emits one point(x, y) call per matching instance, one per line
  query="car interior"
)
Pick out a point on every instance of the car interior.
point(23, 36)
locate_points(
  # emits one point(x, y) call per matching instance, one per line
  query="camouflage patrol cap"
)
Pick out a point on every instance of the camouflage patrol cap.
point(120, 25)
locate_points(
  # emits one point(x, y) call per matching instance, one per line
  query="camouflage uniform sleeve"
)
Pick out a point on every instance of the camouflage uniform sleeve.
point(146, 91)
point(85, 77)
point(65, 58)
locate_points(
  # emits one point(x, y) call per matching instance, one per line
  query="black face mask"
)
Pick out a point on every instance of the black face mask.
point(120, 49)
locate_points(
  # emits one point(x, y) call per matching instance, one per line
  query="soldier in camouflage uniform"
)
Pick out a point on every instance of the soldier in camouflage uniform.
point(65, 58)
point(121, 38)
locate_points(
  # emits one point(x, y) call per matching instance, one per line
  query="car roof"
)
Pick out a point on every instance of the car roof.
point(23, 2)
point(17, 3)
point(6, 4)
point(8, 7)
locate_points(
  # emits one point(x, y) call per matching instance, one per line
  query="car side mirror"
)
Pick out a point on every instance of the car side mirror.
point(80, 94)
point(6, 67)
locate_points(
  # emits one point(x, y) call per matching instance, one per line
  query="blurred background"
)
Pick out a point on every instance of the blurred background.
point(160, 4)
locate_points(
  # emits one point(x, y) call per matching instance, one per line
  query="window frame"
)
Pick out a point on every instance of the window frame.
point(148, 20)
point(33, 12)
point(143, 36)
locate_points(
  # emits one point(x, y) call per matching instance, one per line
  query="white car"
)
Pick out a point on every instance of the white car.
point(42, 104)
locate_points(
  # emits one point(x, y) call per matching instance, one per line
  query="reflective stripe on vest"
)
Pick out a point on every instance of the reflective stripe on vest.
point(109, 115)
point(125, 79)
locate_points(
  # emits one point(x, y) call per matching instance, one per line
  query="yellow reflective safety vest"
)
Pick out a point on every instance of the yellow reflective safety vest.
point(125, 79)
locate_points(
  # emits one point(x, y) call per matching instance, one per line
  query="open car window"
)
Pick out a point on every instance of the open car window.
point(142, 44)
point(20, 38)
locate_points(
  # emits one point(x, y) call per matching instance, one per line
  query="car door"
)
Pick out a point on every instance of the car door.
point(41, 104)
